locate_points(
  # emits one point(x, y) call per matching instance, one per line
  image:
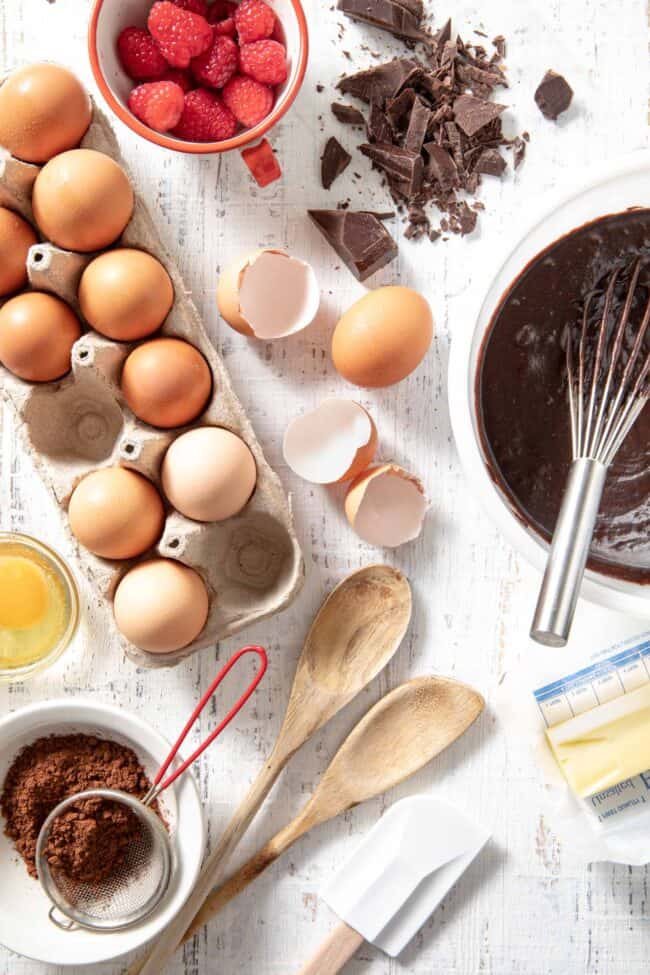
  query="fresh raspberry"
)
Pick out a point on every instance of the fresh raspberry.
point(220, 10)
point(254, 20)
point(205, 118)
point(159, 104)
point(180, 34)
point(248, 100)
point(225, 27)
point(218, 64)
point(139, 54)
point(196, 6)
point(179, 77)
point(265, 61)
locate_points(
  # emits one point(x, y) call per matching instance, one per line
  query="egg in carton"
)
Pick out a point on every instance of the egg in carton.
point(251, 563)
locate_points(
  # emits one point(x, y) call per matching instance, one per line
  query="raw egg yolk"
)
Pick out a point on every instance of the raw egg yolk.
point(23, 592)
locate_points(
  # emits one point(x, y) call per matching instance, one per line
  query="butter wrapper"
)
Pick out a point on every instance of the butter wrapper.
point(599, 718)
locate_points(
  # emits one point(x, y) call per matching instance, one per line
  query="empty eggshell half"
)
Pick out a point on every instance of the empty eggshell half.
point(267, 294)
point(332, 443)
point(386, 505)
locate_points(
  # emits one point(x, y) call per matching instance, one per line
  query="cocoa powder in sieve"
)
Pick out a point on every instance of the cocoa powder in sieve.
point(90, 839)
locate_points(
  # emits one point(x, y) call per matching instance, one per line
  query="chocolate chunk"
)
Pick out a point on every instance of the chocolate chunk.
point(417, 127)
point(490, 162)
point(473, 114)
point(384, 81)
point(358, 237)
point(553, 95)
point(334, 160)
point(347, 114)
point(378, 127)
point(518, 151)
point(442, 167)
point(398, 110)
point(389, 15)
point(499, 43)
point(397, 163)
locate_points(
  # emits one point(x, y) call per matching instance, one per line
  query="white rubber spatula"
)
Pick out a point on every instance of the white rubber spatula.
point(388, 888)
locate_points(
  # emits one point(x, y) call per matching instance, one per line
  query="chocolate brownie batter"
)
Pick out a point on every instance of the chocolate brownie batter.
point(522, 400)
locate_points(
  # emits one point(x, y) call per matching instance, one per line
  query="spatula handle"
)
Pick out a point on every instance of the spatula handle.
point(335, 952)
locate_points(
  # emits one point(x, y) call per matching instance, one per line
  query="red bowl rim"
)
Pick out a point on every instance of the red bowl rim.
point(200, 148)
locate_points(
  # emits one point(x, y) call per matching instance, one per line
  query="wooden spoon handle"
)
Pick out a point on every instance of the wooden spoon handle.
point(168, 941)
point(335, 951)
point(246, 874)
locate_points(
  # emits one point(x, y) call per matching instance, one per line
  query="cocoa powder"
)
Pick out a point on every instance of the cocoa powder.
point(90, 839)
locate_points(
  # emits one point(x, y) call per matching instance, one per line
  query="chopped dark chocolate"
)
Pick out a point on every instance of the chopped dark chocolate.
point(417, 127)
point(399, 164)
point(398, 110)
point(402, 18)
point(358, 237)
point(378, 127)
point(334, 161)
point(472, 114)
point(553, 95)
point(442, 167)
point(384, 81)
point(490, 162)
point(347, 114)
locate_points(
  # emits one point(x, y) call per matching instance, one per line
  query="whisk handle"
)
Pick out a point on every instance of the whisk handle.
point(568, 555)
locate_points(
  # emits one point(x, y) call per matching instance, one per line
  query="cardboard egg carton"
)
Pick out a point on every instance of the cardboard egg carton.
point(251, 564)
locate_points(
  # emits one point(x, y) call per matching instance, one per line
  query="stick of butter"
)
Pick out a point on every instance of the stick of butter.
point(606, 745)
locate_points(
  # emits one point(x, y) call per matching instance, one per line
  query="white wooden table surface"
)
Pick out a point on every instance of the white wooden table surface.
point(529, 907)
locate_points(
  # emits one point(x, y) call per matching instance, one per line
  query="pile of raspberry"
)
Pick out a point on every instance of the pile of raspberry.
point(204, 70)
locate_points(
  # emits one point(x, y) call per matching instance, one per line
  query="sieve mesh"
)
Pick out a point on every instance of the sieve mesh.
point(131, 890)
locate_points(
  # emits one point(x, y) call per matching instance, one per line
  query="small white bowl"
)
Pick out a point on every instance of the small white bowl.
point(24, 924)
point(609, 188)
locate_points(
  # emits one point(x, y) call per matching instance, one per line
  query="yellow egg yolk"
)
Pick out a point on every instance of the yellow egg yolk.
point(23, 592)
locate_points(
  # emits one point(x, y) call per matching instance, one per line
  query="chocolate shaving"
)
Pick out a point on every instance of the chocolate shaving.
point(490, 162)
point(347, 114)
point(334, 161)
point(472, 114)
point(402, 18)
point(553, 95)
point(518, 151)
point(358, 237)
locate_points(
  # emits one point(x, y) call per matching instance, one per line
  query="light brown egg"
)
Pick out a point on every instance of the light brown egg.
point(116, 513)
point(383, 337)
point(44, 110)
point(208, 474)
point(166, 382)
point(37, 332)
point(125, 294)
point(82, 200)
point(16, 237)
point(161, 605)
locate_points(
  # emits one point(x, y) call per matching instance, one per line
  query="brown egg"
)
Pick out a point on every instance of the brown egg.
point(37, 332)
point(16, 237)
point(116, 513)
point(125, 294)
point(44, 109)
point(161, 605)
point(166, 382)
point(383, 337)
point(82, 200)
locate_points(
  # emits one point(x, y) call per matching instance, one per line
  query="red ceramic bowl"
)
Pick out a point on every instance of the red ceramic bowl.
point(110, 17)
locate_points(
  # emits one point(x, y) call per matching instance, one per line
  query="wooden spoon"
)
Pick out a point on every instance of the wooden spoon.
point(354, 635)
point(396, 738)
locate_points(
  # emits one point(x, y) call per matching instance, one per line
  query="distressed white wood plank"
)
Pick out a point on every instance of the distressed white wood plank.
point(528, 906)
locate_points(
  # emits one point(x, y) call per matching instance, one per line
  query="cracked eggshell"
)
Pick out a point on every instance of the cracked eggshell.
point(333, 443)
point(386, 505)
point(267, 294)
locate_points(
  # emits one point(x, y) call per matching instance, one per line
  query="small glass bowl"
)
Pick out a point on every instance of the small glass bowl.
point(10, 675)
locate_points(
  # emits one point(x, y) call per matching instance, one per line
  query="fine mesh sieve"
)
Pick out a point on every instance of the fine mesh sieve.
point(137, 884)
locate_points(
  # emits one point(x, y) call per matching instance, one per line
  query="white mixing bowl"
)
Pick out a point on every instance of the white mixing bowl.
point(24, 924)
point(609, 188)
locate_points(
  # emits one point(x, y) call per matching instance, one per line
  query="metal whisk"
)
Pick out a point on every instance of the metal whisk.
point(608, 370)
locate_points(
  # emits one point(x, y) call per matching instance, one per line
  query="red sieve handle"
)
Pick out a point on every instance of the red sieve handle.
point(199, 707)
